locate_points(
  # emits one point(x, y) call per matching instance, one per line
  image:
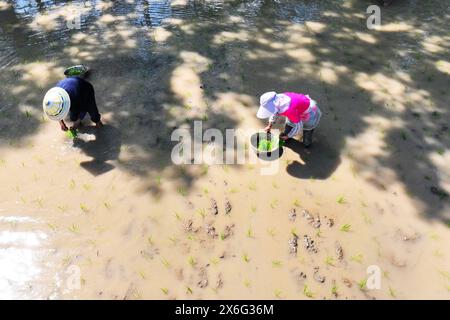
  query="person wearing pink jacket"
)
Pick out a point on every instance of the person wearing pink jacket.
point(301, 112)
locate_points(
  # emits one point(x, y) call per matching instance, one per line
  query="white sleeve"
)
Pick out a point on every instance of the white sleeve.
point(273, 118)
point(295, 129)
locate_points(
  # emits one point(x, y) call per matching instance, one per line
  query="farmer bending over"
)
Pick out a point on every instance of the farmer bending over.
point(74, 96)
point(301, 112)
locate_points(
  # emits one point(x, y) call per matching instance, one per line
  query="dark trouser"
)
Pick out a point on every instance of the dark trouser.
point(307, 135)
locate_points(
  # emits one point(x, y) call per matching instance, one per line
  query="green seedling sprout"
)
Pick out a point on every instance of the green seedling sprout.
point(72, 184)
point(165, 263)
point(150, 241)
point(252, 186)
point(177, 216)
point(329, 261)
point(346, 228)
point(276, 263)
point(341, 200)
point(165, 291)
point(334, 290)
point(246, 258)
point(52, 226)
point(182, 192)
point(202, 213)
point(192, 261)
point(62, 208)
point(274, 203)
point(250, 233)
point(106, 205)
point(362, 284)
point(392, 292)
point(74, 228)
point(87, 187)
point(142, 274)
point(222, 236)
point(271, 232)
point(189, 290)
point(297, 203)
point(253, 209)
point(247, 283)
point(277, 293)
point(84, 208)
point(308, 293)
point(357, 258)
point(214, 261)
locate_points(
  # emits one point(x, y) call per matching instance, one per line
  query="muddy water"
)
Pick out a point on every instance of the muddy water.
point(112, 211)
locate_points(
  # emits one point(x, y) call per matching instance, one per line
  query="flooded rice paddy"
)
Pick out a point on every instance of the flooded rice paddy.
point(111, 209)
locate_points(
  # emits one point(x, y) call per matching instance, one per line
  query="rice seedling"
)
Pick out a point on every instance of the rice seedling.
point(165, 291)
point(392, 292)
point(246, 258)
point(386, 274)
point(142, 274)
point(250, 233)
point(74, 228)
point(445, 274)
point(247, 283)
point(52, 226)
point(214, 261)
point(107, 205)
point(173, 240)
point(165, 263)
point(2, 162)
point(192, 261)
point(357, 258)
point(276, 263)
point(253, 209)
point(334, 290)
point(84, 208)
point(271, 232)
point(294, 232)
point(189, 290)
point(39, 202)
point(274, 203)
point(234, 190)
point(366, 218)
point(346, 228)
point(307, 292)
point(297, 203)
point(150, 241)
point(202, 213)
point(72, 184)
point(158, 180)
point(225, 168)
point(177, 216)
point(222, 236)
point(23, 200)
point(319, 233)
point(277, 294)
point(87, 187)
point(275, 185)
point(252, 186)
point(341, 200)
point(434, 236)
point(205, 190)
point(329, 261)
point(62, 208)
point(182, 192)
point(362, 284)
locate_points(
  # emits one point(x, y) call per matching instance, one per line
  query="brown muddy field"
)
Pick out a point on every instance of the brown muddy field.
point(112, 210)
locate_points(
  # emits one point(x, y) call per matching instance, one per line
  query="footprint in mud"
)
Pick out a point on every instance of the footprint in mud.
point(228, 232)
point(149, 254)
point(309, 244)
point(189, 227)
point(203, 275)
point(317, 277)
point(313, 221)
point(219, 283)
point(339, 251)
point(228, 206)
point(293, 244)
point(211, 231)
point(214, 208)
point(329, 222)
point(299, 276)
point(292, 214)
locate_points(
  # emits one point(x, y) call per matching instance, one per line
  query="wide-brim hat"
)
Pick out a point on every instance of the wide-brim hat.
point(56, 104)
point(267, 107)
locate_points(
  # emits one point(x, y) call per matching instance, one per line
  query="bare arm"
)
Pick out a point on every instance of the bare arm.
point(63, 125)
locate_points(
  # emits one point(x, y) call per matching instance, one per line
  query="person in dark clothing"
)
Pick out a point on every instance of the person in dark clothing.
point(74, 96)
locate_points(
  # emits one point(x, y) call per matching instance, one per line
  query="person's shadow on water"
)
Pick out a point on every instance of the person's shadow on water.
point(318, 161)
point(102, 145)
